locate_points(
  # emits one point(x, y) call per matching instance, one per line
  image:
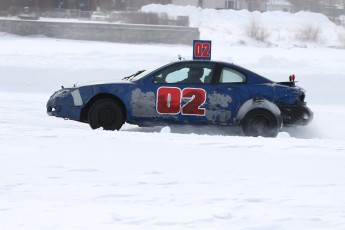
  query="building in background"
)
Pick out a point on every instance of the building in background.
point(279, 5)
point(332, 8)
point(251, 5)
point(85, 5)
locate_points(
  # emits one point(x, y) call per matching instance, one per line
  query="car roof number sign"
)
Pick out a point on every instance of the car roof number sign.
point(202, 49)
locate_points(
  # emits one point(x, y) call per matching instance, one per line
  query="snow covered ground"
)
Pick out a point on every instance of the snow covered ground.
point(57, 174)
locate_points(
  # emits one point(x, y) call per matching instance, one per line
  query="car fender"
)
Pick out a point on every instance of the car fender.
point(259, 104)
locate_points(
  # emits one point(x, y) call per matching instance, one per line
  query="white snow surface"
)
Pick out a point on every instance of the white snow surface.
point(57, 174)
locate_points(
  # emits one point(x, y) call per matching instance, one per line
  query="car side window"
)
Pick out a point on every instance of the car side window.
point(189, 73)
point(231, 76)
point(176, 76)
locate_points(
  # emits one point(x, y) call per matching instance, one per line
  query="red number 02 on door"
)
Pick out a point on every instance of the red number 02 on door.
point(169, 101)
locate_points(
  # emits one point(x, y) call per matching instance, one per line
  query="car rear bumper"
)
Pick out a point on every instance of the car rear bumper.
point(296, 115)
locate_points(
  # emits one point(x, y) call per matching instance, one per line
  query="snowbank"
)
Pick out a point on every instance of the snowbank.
point(283, 28)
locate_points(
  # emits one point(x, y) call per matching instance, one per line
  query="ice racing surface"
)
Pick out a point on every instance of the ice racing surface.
point(57, 174)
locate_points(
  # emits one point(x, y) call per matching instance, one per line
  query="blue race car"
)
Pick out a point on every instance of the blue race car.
point(187, 92)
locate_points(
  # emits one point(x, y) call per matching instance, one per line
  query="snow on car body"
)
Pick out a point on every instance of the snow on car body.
point(187, 92)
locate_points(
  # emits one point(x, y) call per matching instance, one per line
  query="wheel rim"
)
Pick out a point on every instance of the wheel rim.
point(260, 125)
point(106, 117)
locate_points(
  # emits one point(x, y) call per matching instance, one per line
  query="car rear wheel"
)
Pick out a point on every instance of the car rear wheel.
point(107, 114)
point(260, 122)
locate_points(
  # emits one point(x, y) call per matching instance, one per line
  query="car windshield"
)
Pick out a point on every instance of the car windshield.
point(140, 74)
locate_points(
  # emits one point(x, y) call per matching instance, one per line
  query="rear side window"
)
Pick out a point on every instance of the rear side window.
point(231, 76)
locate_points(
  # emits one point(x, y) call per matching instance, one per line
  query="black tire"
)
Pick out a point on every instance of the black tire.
point(260, 122)
point(106, 113)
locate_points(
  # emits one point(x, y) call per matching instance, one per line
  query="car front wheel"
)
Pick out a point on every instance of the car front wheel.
point(260, 122)
point(107, 114)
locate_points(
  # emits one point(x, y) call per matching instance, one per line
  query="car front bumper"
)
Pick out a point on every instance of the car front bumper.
point(65, 103)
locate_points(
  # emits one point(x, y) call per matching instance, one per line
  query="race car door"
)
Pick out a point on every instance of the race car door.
point(226, 97)
point(183, 95)
point(176, 93)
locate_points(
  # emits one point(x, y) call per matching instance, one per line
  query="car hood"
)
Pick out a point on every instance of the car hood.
point(96, 83)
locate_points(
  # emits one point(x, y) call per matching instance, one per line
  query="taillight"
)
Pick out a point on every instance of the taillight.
point(302, 97)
